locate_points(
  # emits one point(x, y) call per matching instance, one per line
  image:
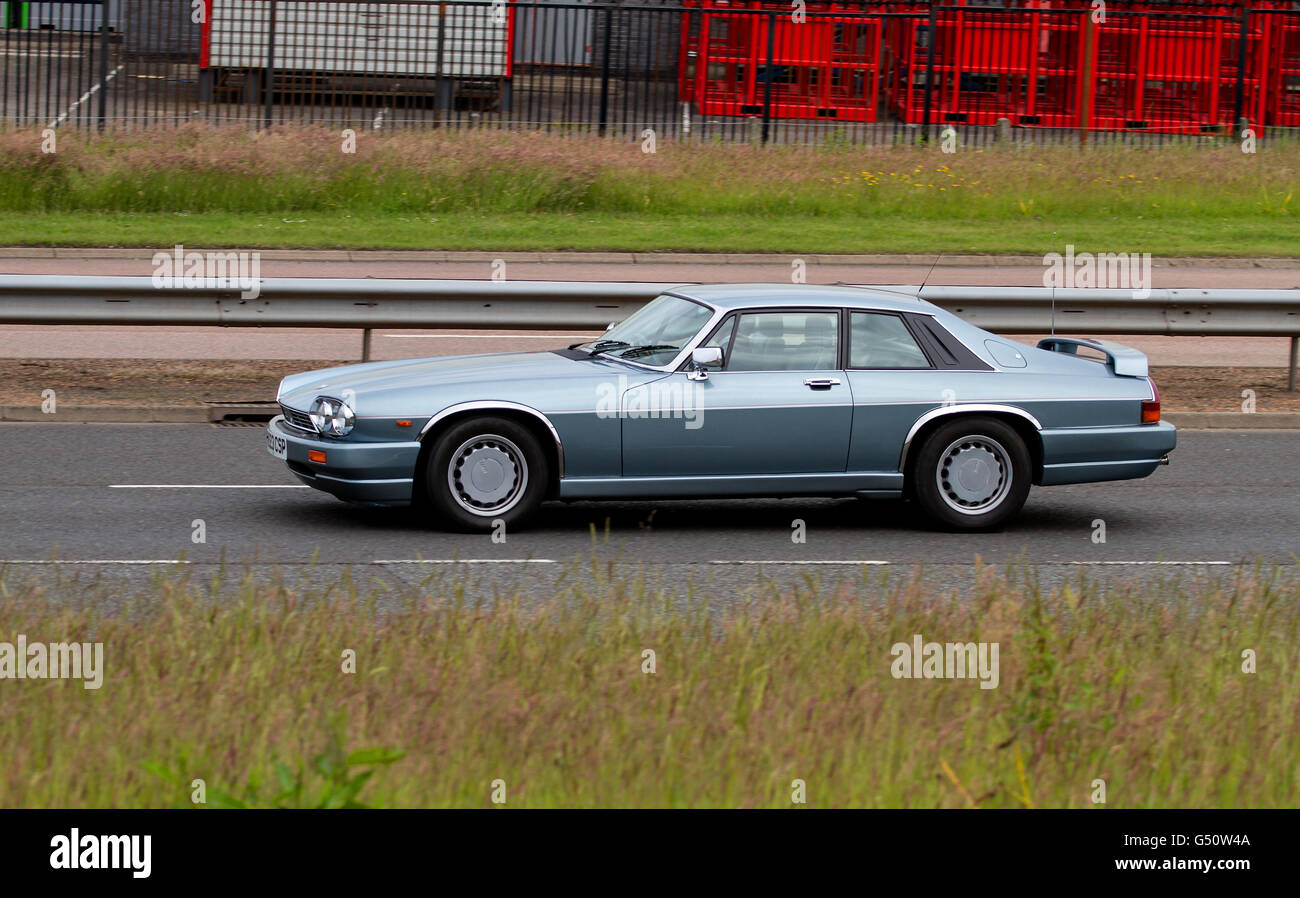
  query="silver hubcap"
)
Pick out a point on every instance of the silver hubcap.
point(974, 474)
point(487, 475)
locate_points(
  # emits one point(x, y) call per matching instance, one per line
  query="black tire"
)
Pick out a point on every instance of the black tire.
point(507, 453)
point(996, 473)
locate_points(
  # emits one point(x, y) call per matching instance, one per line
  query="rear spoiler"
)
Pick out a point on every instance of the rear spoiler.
point(1123, 360)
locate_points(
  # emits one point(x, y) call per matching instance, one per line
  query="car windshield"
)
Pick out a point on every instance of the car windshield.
point(655, 333)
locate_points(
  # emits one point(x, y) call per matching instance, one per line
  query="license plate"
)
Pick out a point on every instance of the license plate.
point(277, 446)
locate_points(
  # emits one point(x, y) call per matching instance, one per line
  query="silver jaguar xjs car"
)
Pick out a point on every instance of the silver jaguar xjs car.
point(729, 391)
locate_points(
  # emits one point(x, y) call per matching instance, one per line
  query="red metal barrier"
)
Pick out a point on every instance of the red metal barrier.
point(823, 67)
point(1058, 68)
point(1024, 65)
point(1284, 82)
point(1143, 66)
point(1177, 75)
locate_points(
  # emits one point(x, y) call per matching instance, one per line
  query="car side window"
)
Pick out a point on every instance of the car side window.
point(785, 341)
point(880, 340)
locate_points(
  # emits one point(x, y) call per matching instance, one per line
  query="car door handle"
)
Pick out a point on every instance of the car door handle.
point(821, 383)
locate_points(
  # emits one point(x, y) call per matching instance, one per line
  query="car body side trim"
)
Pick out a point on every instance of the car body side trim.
point(831, 483)
point(489, 405)
point(957, 410)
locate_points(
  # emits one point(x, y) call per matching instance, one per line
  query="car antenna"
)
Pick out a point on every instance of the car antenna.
point(927, 275)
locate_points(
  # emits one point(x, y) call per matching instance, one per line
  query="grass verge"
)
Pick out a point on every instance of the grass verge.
point(294, 188)
point(242, 684)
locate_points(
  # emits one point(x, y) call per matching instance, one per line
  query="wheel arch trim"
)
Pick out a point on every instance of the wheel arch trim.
point(971, 408)
point(497, 405)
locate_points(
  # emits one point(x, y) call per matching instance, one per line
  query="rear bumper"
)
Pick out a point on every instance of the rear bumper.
point(1092, 454)
point(373, 473)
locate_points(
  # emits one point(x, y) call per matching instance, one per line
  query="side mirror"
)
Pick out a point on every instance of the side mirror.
point(702, 358)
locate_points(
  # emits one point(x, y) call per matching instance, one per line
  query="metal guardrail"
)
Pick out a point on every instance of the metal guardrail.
point(1173, 312)
point(320, 302)
point(367, 303)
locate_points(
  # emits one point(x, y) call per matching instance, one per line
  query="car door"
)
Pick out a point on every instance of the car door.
point(893, 382)
point(779, 403)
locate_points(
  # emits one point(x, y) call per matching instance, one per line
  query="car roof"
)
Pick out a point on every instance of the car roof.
point(737, 296)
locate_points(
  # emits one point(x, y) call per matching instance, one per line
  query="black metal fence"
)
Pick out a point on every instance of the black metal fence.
point(750, 70)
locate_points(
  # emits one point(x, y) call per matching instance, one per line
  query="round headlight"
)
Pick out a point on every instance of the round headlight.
point(332, 417)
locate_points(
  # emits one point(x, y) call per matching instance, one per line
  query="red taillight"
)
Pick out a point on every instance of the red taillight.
point(1151, 408)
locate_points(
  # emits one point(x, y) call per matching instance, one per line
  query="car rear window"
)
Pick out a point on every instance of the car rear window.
point(880, 340)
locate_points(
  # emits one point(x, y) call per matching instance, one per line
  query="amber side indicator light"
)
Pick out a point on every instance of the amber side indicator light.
point(1151, 408)
point(403, 423)
point(316, 455)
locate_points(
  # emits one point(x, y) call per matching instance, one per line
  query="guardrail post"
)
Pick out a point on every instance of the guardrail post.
point(1295, 362)
point(365, 344)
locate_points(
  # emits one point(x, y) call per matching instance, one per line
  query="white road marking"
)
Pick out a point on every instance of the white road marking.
point(1142, 562)
point(208, 486)
point(493, 336)
point(464, 561)
point(387, 561)
point(870, 561)
point(86, 96)
point(4, 561)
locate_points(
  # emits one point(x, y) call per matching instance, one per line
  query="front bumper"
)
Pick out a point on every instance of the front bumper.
point(373, 473)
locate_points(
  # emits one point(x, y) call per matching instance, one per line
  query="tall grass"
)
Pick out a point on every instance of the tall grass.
point(241, 683)
point(199, 169)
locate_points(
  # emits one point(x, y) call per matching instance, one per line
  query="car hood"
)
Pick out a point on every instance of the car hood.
point(491, 376)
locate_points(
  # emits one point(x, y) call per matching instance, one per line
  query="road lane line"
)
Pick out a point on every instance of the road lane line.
point(492, 336)
point(876, 562)
point(4, 561)
point(208, 486)
point(869, 561)
point(1142, 562)
point(464, 561)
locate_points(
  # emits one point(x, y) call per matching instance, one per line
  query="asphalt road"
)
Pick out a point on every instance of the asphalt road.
point(113, 494)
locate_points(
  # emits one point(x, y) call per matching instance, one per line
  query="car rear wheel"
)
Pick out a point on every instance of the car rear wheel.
point(972, 473)
point(485, 470)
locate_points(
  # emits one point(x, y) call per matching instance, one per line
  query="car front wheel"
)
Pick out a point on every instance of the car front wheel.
point(485, 470)
point(972, 473)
